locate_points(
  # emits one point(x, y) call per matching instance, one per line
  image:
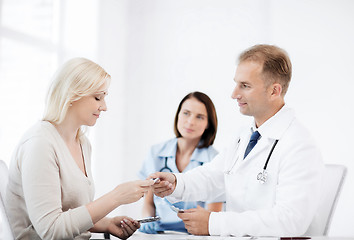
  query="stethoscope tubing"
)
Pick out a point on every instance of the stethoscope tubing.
point(263, 175)
point(165, 168)
point(270, 154)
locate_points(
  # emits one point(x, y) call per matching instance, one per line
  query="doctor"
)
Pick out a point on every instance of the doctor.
point(270, 190)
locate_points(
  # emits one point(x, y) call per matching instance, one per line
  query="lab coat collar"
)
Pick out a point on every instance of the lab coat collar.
point(275, 127)
point(200, 155)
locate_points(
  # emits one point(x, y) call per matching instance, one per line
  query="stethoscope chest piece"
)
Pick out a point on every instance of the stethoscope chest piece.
point(262, 176)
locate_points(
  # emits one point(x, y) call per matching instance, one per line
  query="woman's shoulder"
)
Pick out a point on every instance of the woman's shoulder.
point(163, 146)
point(210, 151)
point(37, 141)
point(42, 131)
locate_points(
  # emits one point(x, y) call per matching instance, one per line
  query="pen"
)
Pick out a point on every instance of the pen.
point(293, 238)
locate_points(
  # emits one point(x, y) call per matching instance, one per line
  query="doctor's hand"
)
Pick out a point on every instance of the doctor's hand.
point(122, 227)
point(130, 192)
point(196, 220)
point(165, 186)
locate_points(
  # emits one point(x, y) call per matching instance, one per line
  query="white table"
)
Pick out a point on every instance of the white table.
point(180, 236)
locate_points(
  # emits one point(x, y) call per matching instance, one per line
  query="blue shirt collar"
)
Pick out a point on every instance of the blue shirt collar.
point(171, 149)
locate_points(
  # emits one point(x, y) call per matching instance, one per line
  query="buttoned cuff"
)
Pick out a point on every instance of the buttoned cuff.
point(177, 194)
point(214, 220)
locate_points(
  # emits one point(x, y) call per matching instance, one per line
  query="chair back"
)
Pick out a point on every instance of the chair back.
point(331, 189)
point(5, 229)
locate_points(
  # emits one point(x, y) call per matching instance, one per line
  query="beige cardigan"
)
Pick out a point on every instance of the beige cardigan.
point(47, 192)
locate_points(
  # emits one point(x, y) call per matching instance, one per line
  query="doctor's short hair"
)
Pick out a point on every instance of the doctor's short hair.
point(77, 78)
point(276, 64)
point(209, 134)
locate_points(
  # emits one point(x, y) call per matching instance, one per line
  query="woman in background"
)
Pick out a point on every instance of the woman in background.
point(195, 128)
point(50, 191)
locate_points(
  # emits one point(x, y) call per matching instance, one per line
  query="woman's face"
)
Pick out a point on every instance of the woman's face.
point(192, 119)
point(87, 109)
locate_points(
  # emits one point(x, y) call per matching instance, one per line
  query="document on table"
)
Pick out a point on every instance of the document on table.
point(192, 237)
point(171, 235)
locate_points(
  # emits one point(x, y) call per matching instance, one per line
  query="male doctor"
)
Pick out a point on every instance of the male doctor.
point(270, 175)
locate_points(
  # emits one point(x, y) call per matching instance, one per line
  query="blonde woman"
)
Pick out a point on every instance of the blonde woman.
point(50, 191)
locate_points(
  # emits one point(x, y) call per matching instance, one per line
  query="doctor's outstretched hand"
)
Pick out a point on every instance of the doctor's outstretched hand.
point(196, 220)
point(165, 185)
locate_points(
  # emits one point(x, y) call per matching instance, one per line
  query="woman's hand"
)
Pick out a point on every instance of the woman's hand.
point(130, 192)
point(124, 193)
point(122, 227)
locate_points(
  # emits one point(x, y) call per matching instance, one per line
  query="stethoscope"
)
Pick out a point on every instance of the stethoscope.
point(167, 169)
point(263, 175)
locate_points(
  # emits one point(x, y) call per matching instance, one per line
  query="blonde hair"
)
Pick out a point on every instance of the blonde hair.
point(77, 78)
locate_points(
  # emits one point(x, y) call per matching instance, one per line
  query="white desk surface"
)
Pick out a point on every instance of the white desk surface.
point(180, 236)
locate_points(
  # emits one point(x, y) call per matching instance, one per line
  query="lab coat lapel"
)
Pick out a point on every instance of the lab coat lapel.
point(260, 146)
point(272, 129)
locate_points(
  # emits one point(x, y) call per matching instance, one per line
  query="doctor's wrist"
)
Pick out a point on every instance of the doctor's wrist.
point(174, 181)
point(213, 224)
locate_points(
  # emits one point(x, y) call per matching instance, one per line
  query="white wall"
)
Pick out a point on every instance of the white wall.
point(158, 51)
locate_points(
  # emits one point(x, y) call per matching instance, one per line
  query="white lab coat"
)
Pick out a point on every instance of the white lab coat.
point(283, 206)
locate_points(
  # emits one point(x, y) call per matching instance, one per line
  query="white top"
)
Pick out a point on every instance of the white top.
point(283, 206)
point(47, 192)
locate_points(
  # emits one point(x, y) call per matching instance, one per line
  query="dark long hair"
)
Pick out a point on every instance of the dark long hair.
point(209, 134)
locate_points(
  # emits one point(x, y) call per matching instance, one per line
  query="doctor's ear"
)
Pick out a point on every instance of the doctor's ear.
point(276, 89)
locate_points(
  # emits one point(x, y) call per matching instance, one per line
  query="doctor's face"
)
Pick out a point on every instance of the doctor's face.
point(251, 93)
point(192, 119)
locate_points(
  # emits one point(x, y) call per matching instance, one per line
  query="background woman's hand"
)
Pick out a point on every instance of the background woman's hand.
point(130, 192)
point(122, 227)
